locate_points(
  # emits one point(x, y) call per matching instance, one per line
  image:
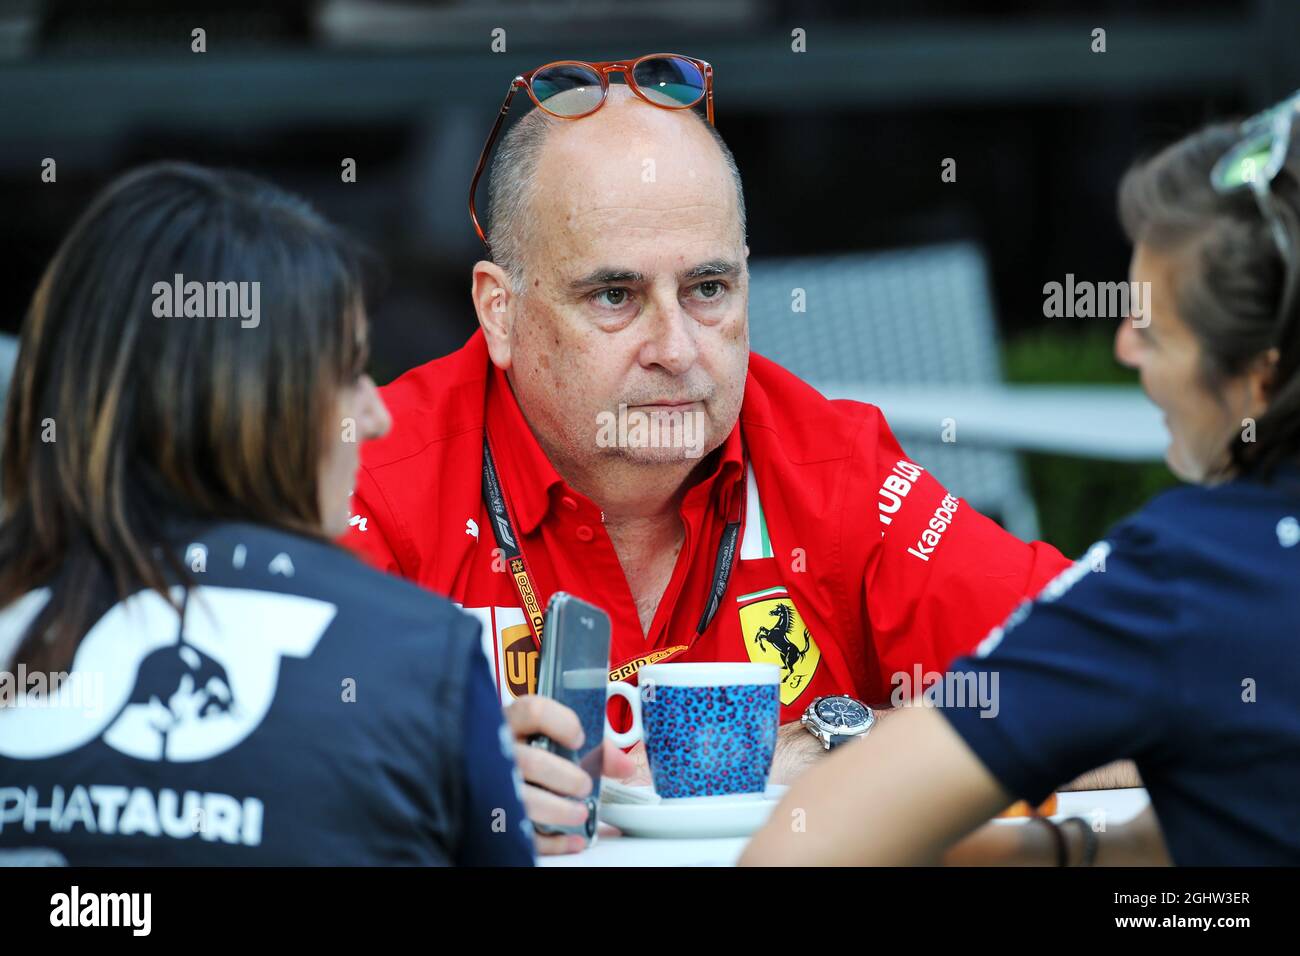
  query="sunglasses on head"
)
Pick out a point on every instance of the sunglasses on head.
point(572, 89)
point(1254, 163)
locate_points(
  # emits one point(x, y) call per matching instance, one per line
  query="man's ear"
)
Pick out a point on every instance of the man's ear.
point(495, 305)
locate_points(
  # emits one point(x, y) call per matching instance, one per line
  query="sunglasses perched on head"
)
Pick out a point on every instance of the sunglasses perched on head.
point(572, 89)
point(1254, 163)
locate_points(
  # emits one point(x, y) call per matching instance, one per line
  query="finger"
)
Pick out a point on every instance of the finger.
point(640, 775)
point(618, 764)
point(550, 810)
point(531, 714)
point(552, 772)
point(559, 844)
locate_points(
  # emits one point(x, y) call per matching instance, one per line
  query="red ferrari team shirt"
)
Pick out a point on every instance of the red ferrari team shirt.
point(855, 565)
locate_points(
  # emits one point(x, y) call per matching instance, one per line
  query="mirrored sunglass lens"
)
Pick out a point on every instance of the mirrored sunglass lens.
point(1248, 163)
point(567, 89)
point(670, 80)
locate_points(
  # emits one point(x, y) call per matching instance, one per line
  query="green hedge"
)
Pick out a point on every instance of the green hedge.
point(1079, 498)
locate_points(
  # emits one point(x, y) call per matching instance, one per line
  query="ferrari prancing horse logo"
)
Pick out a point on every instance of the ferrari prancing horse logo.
point(774, 633)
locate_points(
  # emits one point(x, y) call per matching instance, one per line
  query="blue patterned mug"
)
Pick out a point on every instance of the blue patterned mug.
point(709, 728)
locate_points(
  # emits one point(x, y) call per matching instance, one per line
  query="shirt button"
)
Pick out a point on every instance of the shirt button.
point(584, 533)
point(569, 503)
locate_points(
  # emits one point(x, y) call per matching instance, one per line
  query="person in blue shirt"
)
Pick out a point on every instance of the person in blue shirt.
point(1174, 641)
point(192, 672)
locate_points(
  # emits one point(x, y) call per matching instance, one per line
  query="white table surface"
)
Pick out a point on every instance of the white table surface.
point(1111, 422)
point(1113, 807)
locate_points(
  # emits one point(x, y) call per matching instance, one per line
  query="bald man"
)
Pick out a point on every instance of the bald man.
point(717, 507)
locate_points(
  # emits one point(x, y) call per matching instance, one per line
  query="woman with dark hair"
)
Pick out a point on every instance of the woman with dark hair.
point(1173, 642)
point(195, 673)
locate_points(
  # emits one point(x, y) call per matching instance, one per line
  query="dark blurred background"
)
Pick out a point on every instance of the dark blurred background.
point(839, 147)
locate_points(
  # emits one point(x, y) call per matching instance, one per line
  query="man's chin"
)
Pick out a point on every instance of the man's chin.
point(659, 437)
point(670, 455)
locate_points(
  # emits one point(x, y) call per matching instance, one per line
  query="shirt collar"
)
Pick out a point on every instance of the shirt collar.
point(724, 480)
point(525, 471)
point(529, 476)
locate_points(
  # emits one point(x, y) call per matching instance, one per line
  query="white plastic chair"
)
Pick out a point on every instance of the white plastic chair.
point(903, 317)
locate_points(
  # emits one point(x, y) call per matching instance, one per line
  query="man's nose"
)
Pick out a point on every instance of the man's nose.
point(373, 416)
point(671, 344)
point(1128, 348)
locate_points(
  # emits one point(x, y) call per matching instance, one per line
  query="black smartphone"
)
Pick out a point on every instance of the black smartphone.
point(574, 670)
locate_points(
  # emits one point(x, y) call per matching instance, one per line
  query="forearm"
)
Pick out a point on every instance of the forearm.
point(797, 750)
point(1113, 776)
point(901, 796)
point(1136, 843)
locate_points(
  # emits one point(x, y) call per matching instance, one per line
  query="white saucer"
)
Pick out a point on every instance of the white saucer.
point(694, 818)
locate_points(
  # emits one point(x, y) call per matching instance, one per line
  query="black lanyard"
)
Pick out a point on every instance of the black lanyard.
point(504, 531)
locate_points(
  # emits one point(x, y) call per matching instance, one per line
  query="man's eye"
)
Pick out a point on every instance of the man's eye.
point(710, 289)
point(614, 298)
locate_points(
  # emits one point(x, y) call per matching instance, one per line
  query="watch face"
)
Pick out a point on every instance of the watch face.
point(842, 713)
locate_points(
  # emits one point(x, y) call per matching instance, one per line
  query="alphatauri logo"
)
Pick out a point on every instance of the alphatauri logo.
point(172, 691)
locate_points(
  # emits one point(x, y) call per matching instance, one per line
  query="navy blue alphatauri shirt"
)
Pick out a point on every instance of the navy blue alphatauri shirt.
point(1183, 654)
point(311, 710)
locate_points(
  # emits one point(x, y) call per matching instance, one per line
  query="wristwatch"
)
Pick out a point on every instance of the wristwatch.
point(837, 719)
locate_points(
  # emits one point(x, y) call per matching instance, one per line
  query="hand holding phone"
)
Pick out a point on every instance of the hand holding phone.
point(574, 672)
point(555, 789)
